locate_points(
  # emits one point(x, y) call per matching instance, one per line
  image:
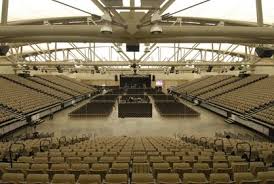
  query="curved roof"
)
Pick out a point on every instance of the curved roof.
point(221, 9)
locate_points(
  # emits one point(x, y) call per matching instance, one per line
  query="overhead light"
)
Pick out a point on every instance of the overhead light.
point(155, 19)
point(156, 29)
point(106, 28)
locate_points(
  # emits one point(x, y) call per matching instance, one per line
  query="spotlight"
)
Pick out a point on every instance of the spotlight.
point(106, 29)
point(156, 29)
point(155, 19)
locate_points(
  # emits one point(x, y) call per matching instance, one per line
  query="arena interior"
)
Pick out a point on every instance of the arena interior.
point(137, 91)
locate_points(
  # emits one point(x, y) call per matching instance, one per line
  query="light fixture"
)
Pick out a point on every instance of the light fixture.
point(156, 29)
point(155, 19)
point(106, 28)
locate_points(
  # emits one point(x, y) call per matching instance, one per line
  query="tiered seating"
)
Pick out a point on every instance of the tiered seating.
point(5, 115)
point(23, 99)
point(215, 86)
point(248, 98)
point(139, 160)
point(66, 84)
point(54, 86)
point(266, 115)
point(76, 82)
point(189, 83)
point(190, 90)
point(38, 87)
point(230, 87)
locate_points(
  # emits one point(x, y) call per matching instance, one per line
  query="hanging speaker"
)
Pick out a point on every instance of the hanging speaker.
point(264, 52)
point(153, 77)
point(116, 77)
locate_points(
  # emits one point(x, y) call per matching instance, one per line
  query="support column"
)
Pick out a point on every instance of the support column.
point(5, 10)
point(260, 17)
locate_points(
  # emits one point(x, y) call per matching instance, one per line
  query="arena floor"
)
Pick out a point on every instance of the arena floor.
point(206, 125)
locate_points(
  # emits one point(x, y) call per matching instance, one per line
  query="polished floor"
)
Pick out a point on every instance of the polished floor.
point(205, 125)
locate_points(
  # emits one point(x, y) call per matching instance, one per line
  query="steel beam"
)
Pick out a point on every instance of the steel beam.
point(260, 16)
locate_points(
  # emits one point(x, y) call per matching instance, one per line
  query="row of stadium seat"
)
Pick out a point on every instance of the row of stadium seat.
point(162, 178)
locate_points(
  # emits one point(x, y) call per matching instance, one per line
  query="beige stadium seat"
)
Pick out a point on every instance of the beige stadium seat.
point(220, 159)
point(256, 167)
point(55, 154)
point(40, 160)
point(239, 167)
point(182, 168)
point(97, 154)
point(78, 169)
point(83, 154)
point(90, 160)
point(123, 159)
point(232, 159)
point(72, 160)
point(89, 178)
point(142, 178)
point(120, 168)
point(220, 178)
point(168, 178)
point(3, 168)
point(140, 159)
point(245, 178)
point(101, 169)
point(202, 168)
point(125, 154)
point(58, 169)
point(140, 168)
point(57, 160)
point(266, 177)
point(172, 159)
point(63, 178)
point(15, 178)
point(69, 154)
point(25, 159)
point(37, 178)
point(116, 178)
point(222, 168)
point(197, 178)
point(41, 154)
point(160, 168)
point(107, 160)
point(19, 168)
point(156, 159)
point(189, 159)
point(38, 169)
point(205, 159)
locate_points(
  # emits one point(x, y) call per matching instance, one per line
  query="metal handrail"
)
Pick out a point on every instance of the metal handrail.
point(222, 141)
point(10, 150)
point(250, 148)
point(44, 141)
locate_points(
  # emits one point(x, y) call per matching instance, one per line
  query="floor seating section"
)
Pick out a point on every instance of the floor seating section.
point(93, 109)
point(248, 98)
point(167, 105)
point(23, 99)
point(36, 86)
point(151, 160)
point(266, 115)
